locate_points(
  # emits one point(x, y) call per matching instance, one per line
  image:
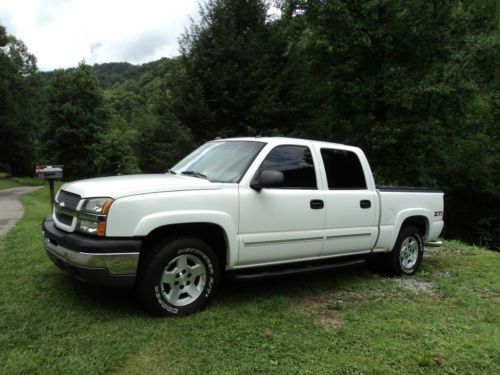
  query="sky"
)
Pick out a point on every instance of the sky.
point(61, 33)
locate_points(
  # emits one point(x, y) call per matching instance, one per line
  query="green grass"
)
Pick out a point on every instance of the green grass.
point(445, 320)
point(7, 182)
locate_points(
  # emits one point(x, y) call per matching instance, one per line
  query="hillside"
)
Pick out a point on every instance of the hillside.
point(113, 73)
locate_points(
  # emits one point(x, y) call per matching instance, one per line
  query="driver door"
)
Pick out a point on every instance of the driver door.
point(285, 223)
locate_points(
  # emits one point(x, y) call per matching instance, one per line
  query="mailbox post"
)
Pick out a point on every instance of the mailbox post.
point(50, 173)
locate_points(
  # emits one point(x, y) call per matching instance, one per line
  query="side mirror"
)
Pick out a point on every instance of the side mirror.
point(268, 179)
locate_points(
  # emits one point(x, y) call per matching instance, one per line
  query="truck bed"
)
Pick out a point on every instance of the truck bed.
point(404, 189)
point(423, 205)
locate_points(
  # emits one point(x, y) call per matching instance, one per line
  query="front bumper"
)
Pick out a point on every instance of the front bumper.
point(97, 261)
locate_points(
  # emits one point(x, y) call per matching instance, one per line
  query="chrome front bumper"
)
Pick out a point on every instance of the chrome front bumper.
point(105, 261)
point(114, 263)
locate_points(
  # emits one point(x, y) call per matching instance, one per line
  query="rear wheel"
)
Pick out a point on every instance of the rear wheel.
point(408, 251)
point(178, 277)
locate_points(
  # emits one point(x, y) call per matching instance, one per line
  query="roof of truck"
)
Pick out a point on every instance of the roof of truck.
point(277, 140)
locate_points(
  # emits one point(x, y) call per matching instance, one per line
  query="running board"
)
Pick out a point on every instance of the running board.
point(296, 270)
point(434, 243)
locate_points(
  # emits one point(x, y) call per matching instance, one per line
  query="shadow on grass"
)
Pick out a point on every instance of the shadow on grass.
point(91, 299)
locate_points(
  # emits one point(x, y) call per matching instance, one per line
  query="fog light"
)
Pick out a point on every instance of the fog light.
point(90, 227)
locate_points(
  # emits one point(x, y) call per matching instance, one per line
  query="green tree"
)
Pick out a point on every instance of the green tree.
point(225, 86)
point(162, 143)
point(113, 155)
point(21, 106)
point(77, 120)
point(416, 84)
point(141, 108)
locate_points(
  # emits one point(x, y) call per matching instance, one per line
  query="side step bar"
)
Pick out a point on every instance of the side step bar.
point(434, 243)
point(296, 270)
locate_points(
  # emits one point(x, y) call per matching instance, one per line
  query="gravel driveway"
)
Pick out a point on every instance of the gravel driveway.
point(11, 209)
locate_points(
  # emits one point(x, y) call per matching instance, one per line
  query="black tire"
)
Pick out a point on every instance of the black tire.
point(409, 241)
point(157, 295)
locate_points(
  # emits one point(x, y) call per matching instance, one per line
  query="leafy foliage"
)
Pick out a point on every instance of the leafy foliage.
point(415, 83)
point(228, 61)
point(21, 109)
point(141, 109)
point(77, 119)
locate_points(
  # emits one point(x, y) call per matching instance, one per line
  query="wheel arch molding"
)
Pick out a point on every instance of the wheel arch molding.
point(212, 233)
point(418, 218)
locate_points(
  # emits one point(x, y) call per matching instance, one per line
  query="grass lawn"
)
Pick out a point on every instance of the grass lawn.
point(446, 320)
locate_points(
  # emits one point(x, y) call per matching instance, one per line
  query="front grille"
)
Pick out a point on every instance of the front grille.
point(65, 219)
point(68, 200)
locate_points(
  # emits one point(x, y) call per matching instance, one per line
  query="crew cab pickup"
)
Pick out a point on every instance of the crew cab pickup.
point(246, 207)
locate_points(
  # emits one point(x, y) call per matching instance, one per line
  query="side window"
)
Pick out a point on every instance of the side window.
point(295, 162)
point(343, 169)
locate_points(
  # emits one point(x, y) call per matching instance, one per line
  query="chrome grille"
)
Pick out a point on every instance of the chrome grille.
point(68, 200)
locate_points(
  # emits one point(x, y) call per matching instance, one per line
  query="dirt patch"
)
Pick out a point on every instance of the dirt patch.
point(327, 308)
point(417, 286)
point(483, 292)
point(447, 251)
point(443, 274)
point(317, 308)
point(332, 320)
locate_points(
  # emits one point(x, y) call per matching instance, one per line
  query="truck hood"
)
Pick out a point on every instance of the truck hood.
point(122, 186)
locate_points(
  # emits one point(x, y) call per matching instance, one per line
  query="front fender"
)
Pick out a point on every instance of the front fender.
point(150, 222)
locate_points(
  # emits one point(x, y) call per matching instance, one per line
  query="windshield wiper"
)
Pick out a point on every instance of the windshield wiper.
point(195, 174)
point(169, 171)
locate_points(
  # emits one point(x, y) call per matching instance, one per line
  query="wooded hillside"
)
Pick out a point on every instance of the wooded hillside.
point(416, 84)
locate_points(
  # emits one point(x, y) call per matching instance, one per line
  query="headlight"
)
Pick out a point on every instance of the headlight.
point(93, 216)
point(97, 205)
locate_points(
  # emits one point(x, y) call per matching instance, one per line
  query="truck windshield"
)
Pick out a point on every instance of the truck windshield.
point(221, 161)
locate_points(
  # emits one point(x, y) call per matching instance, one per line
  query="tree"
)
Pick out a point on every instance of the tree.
point(21, 110)
point(227, 61)
point(77, 119)
point(141, 109)
point(162, 143)
point(113, 155)
point(416, 85)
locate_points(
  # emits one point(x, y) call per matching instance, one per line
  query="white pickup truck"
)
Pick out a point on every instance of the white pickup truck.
point(248, 207)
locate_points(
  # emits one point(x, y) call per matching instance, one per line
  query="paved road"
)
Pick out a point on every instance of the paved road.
point(11, 209)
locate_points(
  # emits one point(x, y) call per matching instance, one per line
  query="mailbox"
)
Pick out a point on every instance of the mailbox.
point(49, 172)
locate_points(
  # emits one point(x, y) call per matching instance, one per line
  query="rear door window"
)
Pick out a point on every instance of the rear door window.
point(343, 169)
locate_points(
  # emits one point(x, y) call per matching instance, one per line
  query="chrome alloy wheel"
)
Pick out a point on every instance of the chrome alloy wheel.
point(408, 254)
point(183, 279)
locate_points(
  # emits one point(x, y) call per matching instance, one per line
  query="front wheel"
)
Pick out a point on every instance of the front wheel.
point(408, 251)
point(178, 277)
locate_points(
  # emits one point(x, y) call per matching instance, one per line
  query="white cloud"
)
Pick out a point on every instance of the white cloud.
point(60, 33)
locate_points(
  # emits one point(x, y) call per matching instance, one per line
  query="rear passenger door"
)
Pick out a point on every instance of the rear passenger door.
point(351, 207)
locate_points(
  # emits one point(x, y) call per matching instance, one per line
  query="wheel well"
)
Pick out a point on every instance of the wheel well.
point(420, 222)
point(213, 234)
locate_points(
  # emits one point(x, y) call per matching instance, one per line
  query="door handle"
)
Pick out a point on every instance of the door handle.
point(365, 204)
point(317, 204)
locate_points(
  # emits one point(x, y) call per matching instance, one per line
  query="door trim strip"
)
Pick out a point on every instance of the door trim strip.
point(347, 236)
point(277, 242)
